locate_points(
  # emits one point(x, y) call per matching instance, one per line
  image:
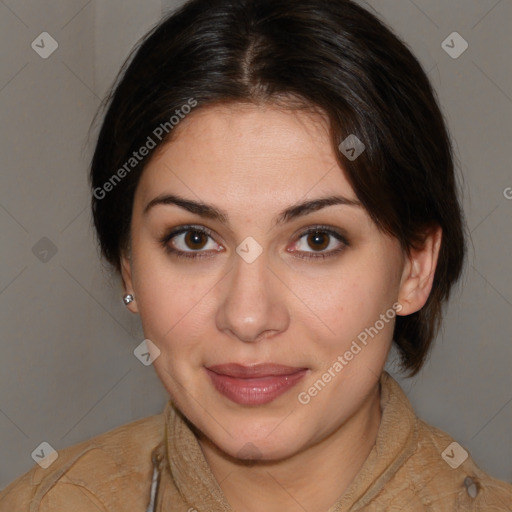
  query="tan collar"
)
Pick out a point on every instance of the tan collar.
point(191, 481)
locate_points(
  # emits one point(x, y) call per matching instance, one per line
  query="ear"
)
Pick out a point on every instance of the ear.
point(418, 272)
point(126, 275)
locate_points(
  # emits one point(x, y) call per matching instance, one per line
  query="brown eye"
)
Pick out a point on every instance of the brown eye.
point(195, 239)
point(191, 242)
point(318, 240)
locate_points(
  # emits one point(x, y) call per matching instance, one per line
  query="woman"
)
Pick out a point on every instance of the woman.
point(274, 182)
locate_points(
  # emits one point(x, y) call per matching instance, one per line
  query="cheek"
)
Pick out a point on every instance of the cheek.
point(174, 305)
point(351, 299)
point(348, 306)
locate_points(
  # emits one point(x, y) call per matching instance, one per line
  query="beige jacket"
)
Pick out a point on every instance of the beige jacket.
point(156, 464)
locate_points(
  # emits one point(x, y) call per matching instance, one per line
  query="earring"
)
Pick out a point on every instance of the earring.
point(128, 298)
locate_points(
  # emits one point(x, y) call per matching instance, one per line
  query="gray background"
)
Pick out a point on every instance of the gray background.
point(67, 369)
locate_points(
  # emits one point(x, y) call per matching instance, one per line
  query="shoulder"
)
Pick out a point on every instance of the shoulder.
point(100, 474)
point(445, 476)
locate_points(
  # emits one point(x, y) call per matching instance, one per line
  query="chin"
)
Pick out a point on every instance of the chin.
point(251, 452)
point(259, 446)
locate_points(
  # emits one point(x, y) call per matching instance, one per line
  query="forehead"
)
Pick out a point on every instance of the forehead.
point(243, 153)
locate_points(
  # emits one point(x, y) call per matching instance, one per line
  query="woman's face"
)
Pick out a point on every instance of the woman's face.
point(250, 286)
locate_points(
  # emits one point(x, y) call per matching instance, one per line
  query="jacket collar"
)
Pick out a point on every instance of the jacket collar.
point(185, 476)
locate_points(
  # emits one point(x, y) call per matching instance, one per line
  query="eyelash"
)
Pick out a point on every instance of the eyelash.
point(164, 241)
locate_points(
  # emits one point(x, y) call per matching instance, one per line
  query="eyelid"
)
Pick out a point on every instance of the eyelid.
point(189, 227)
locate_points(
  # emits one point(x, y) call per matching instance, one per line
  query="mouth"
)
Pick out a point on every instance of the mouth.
point(254, 385)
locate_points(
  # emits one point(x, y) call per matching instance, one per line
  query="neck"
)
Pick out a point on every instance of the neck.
point(312, 479)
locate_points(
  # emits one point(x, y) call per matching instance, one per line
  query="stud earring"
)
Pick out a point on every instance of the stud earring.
point(128, 298)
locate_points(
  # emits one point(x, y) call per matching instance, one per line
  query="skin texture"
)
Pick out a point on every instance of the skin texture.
point(252, 162)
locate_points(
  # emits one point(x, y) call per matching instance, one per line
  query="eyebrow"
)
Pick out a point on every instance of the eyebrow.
point(211, 212)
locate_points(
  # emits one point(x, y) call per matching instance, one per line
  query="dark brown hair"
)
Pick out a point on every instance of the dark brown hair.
point(332, 55)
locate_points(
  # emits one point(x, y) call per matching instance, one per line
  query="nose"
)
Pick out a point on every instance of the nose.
point(253, 305)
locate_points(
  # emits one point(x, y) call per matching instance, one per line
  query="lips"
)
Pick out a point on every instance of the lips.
point(254, 385)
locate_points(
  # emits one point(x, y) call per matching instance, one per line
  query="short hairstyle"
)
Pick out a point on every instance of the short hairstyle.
point(333, 56)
